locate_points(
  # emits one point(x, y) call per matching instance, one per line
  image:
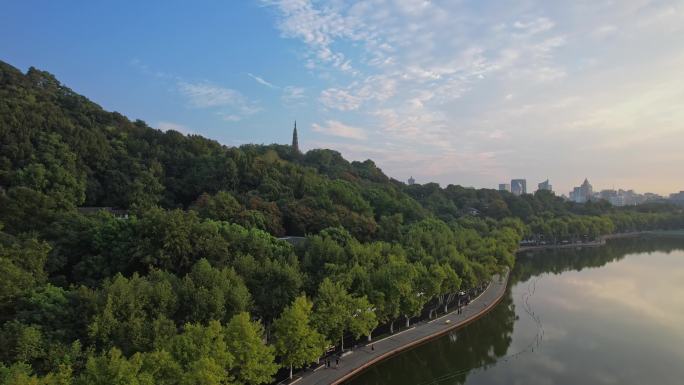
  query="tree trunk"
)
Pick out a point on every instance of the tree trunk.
point(407, 320)
point(392, 327)
point(342, 340)
point(290, 371)
point(369, 336)
point(445, 307)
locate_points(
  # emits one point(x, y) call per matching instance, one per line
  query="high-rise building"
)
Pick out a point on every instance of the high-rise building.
point(587, 189)
point(583, 193)
point(505, 187)
point(519, 186)
point(545, 185)
point(411, 181)
point(295, 140)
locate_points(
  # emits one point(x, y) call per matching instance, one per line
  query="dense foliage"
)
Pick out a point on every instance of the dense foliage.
point(193, 287)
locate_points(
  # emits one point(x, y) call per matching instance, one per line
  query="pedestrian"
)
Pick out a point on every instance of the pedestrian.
point(372, 346)
point(337, 361)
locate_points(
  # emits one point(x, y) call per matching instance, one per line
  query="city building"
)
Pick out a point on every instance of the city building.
point(627, 197)
point(677, 198)
point(608, 194)
point(545, 185)
point(411, 181)
point(505, 187)
point(617, 200)
point(583, 193)
point(648, 197)
point(519, 186)
point(630, 197)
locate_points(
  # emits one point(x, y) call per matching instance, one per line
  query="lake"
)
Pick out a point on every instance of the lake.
point(605, 315)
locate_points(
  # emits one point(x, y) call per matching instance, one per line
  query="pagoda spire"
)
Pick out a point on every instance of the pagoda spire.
point(295, 141)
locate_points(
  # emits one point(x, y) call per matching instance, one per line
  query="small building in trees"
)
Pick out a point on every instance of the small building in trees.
point(117, 213)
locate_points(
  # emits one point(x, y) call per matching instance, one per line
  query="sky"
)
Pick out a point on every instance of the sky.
point(456, 92)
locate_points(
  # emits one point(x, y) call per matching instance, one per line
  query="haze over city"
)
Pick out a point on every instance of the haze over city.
point(446, 91)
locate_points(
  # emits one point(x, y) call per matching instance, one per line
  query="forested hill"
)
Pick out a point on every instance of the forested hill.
point(70, 152)
point(193, 286)
point(60, 151)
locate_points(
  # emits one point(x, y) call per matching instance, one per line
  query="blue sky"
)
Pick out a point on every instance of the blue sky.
point(466, 92)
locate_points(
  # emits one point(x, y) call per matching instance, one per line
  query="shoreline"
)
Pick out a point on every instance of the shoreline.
point(420, 333)
point(600, 242)
point(372, 353)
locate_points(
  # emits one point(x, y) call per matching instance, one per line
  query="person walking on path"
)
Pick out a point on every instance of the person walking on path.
point(372, 347)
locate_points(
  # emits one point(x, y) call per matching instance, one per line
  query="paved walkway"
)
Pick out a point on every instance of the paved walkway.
point(362, 358)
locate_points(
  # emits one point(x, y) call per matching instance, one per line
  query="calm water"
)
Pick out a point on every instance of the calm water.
point(610, 315)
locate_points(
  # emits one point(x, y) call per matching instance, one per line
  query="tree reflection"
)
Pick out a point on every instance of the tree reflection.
point(557, 261)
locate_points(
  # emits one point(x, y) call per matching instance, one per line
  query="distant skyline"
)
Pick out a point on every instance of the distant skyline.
point(474, 93)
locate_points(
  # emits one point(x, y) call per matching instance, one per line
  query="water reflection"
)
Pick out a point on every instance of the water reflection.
point(598, 315)
point(561, 260)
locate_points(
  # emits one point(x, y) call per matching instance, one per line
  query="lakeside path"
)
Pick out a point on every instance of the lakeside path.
point(362, 358)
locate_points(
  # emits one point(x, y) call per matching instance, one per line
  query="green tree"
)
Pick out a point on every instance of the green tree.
point(363, 319)
point(254, 360)
point(332, 312)
point(211, 294)
point(113, 368)
point(202, 353)
point(22, 262)
point(17, 374)
point(296, 341)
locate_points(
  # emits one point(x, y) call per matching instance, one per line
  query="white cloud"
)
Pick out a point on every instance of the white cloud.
point(316, 27)
point(605, 30)
point(336, 128)
point(207, 95)
point(261, 81)
point(293, 95)
point(230, 117)
point(338, 99)
point(372, 88)
point(505, 86)
point(541, 24)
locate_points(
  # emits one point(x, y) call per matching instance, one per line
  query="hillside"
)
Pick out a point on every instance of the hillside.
point(193, 286)
point(195, 261)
